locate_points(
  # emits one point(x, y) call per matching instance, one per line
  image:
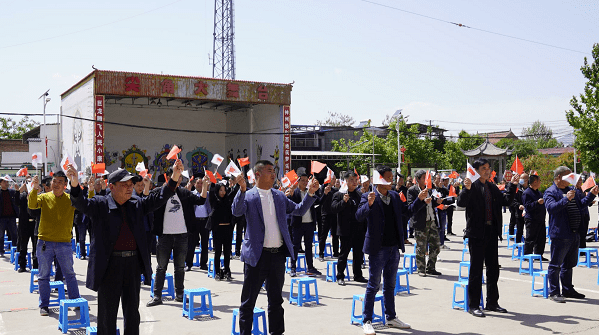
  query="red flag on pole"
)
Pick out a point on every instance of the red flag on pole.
point(98, 168)
point(452, 192)
point(292, 176)
point(589, 183)
point(174, 151)
point(517, 166)
point(22, 172)
point(218, 176)
point(211, 176)
point(429, 181)
point(317, 167)
point(402, 197)
point(243, 161)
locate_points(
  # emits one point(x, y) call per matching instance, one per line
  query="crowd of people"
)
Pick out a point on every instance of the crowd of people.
point(129, 219)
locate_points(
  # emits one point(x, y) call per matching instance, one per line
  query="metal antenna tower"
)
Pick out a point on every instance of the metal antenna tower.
point(223, 51)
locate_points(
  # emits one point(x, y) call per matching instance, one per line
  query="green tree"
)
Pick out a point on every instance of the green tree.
point(336, 120)
point(522, 148)
point(468, 141)
point(584, 116)
point(15, 129)
point(541, 135)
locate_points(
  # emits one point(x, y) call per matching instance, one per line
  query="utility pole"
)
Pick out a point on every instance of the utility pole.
point(223, 50)
point(46, 100)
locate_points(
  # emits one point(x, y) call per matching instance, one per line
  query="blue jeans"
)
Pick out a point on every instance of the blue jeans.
point(564, 256)
point(177, 243)
point(386, 260)
point(64, 255)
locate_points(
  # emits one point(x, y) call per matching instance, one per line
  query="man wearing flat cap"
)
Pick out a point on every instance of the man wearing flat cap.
point(119, 249)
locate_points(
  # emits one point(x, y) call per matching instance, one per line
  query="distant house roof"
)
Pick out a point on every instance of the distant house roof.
point(497, 136)
point(556, 151)
point(487, 149)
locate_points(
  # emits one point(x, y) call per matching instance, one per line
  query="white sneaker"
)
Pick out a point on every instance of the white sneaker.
point(368, 330)
point(397, 323)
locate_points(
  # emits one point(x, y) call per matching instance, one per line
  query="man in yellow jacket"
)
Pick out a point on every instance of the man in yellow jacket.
point(54, 237)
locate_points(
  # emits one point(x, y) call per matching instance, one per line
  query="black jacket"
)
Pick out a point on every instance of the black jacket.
point(515, 211)
point(187, 198)
point(534, 211)
point(419, 215)
point(347, 224)
point(297, 198)
point(325, 199)
point(474, 201)
point(24, 217)
point(221, 207)
point(14, 197)
point(106, 220)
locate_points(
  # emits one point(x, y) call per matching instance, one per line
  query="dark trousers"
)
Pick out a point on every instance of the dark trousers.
point(177, 243)
point(450, 210)
point(239, 231)
point(10, 225)
point(150, 238)
point(564, 256)
point(305, 230)
point(26, 230)
point(483, 250)
point(385, 261)
point(222, 236)
point(519, 224)
point(81, 229)
point(120, 282)
point(193, 239)
point(355, 242)
point(328, 222)
point(583, 230)
point(535, 237)
point(270, 267)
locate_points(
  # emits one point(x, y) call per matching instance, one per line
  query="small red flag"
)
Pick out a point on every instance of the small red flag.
point(357, 174)
point(292, 176)
point(452, 192)
point(22, 172)
point(211, 176)
point(429, 181)
point(441, 206)
point(501, 187)
point(165, 178)
point(98, 168)
point(243, 161)
point(317, 167)
point(402, 197)
point(218, 176)
point(454, 175)
point(589, 183)
point(174, 151)
point(517, 166)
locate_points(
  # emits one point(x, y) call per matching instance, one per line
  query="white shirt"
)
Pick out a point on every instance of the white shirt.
point(174, 222)
point(308, 216)
point(272, 232)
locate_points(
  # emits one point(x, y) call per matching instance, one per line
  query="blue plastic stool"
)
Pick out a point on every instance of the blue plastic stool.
point(78, 250)
point(411, 258)
point(188, 304)
point(303, 291)
point(210, 242)
point(94, 331)
point(332, 271)
point(73, 245)
point(32, 285)
point(300, 266)
point(258, 313)
point(517, 250)
point(375, 317)
point(464, 252)
point(60, 287)
point(531, 261)
point(13, 250)
point(197, 252)
point(328, 250)
point(540, 291)
point(402, 288)
point(588, 253)
point(315, 238)
point(168, 289)
point(466, 264)
point(63, 317)
point(511, 240)
point(464, 303)
point(211, 266)
point(7, 244)
point(594, 231)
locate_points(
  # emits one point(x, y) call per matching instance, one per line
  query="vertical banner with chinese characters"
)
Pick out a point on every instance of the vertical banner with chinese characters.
point(99, 125)
point(286, 139)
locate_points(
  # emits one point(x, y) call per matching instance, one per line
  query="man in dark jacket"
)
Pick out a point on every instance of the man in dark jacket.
point(483, 202)
point(564, 222)
point(425, 225)
point(382, 210)
point(172, 221)
point(9, 211)
point(349, 229)
point(119, 249)
point(401, 188)
point(534, 218)
point(26, 232)
point(517, 209)
point(328, 220)
point(303, 226)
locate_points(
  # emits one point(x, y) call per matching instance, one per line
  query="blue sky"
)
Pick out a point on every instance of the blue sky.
point(349, 56)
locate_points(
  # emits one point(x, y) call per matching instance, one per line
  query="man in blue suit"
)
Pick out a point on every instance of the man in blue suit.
point(383, 211)
point(266, 244)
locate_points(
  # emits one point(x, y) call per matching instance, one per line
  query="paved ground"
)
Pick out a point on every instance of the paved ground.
point(427, 308)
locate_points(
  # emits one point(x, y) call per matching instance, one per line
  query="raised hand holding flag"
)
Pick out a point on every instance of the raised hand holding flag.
point(589, 183)
point(36, 159)
point(243, 161)
point(232, 169)
point(471, 173)
point(173, 153)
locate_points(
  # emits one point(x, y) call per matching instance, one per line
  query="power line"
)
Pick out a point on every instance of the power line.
point(473, 28)
point(90, 28)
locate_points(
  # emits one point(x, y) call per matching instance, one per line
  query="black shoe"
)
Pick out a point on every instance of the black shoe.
point(218, 277)
point(360, 280)
point(411, 236)
point(301, 251)
point(321, 258)
point(154, 302)
point(204, 267)
point(188, 269)
point(335, 255)
point(179, 298)
point(21, 270)
point(573, 294)
point(446, 239)
point(496, 308)
point(228, 276)
point(340, 282)
point(544, 259)
point(292, 273)
point(477, 312)
point(44, 311)
point(433, 272)
point(314, 272)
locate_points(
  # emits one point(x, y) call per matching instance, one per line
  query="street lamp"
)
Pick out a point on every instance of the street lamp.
point(397, 115)
point(46, 100)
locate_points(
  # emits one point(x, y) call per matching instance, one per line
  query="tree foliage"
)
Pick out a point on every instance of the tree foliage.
point(336, 120)
point(15, 129)
point(545, 164)
point(584, 115)
point(541, 135)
